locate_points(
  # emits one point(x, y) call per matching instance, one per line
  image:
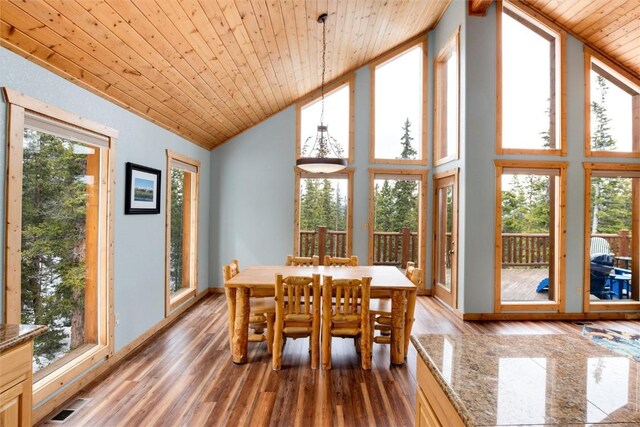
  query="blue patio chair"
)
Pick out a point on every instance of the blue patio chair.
point(600, 268)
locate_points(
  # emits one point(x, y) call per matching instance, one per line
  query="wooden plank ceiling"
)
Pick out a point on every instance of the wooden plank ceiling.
point(611, 26)
point(208, 70)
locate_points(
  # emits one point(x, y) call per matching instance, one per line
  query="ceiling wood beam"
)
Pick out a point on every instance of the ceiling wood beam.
point(479, 7)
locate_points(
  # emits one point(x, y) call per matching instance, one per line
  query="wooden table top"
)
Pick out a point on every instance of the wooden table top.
point(382, 277)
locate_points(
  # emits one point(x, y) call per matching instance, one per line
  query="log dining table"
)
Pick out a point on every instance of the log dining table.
point(386, 282)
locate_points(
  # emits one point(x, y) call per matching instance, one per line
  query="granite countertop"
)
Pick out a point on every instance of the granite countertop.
point(12, 335)
point(507, 380)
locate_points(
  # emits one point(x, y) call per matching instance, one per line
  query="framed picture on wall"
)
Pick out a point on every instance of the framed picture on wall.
point(142, 191)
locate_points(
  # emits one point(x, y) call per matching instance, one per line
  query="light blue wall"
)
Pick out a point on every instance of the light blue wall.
point(139, 239)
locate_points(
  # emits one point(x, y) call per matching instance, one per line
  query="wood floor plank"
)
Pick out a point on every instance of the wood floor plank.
point(185, 376)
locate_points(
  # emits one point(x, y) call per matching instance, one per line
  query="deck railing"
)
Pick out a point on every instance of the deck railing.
point(534, 250)
point(388, 248)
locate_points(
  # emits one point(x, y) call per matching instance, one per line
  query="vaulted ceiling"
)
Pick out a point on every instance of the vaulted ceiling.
point(207, 70)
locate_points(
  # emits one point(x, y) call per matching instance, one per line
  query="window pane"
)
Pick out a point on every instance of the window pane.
point(176, 269)
point(527, 86)
point(611, 256)
point(611, 116)
point(452, 105)
point(336, 116)
point(59, 271)
point(527, 237)
point(398, 108)
point(395, 221)
point(323, 215)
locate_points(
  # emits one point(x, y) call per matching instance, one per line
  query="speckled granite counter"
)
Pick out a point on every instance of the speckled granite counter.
point(507, 380)
point(12, 335)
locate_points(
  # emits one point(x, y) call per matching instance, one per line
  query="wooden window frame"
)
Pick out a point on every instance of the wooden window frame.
point(190, 239)
point(560, 224)
point(618, 169)
point(338, 84)
point(343, 174)
point(422, 211)
point(453, 174)
point(546, 28)
point(624, 81)
point(382, 60)
point(451, 48)
point(18, 103)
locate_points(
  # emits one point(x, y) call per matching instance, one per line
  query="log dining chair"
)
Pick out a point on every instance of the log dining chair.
point(345, 313)
point(261, 314)
point(330, 261)
point(380, 311)
point(302, 261)
point(297, 302)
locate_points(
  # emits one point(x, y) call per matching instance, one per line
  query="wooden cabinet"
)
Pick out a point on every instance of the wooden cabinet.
point(433, 408)
point(15, 386)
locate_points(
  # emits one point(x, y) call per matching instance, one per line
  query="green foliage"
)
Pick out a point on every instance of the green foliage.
point(53, 241)
point(321, 205)
point(408, 152)
point(525, 205)
point(177, 209)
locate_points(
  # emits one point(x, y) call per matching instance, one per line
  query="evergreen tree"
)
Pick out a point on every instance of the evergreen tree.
point(384, 208)
point(177, 208)
point(408, 152)
point(54, 196)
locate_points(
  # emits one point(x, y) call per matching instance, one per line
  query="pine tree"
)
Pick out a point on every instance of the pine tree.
point(408, 152)
point(177, 207)
point(53, 242)
point(384, 207)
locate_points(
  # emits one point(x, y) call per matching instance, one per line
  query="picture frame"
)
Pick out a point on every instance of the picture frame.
point(142, 190)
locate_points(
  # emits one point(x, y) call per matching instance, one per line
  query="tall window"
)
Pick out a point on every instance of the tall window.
point(447, 102)
point(323, 214)
point(396, 217)
point(59, 232)
point(529, 236)
point(399, 96)
point(613, 109)
point(338, 115)
point(612, 193)
point(529, 83)
point(182, 230)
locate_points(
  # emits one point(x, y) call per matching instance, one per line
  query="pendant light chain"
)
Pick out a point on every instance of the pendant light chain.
point(324, 50)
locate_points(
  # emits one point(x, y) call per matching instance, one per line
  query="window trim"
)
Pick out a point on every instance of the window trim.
point(347, 174)
point(335, 85)
point(545, 25)
point(623, 77)
point(186, 293)
point(422, 211)
point(587, 304)
point(383, 59)
point(451, 47)
point(560, 236)
point(17, 104)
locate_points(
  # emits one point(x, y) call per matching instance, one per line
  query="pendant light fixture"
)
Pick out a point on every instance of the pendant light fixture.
point(320, 158)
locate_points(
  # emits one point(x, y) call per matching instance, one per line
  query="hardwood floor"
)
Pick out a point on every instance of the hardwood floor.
point(186, 377)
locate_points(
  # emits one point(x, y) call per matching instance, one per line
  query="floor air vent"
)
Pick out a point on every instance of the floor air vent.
point(67, 412)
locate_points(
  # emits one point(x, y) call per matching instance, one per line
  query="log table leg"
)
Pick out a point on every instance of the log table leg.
point(241, 326)
point(408, 320)
point(397, 327)
point(231, 313)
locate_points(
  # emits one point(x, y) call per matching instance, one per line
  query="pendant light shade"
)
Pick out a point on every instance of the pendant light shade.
point(319, 158)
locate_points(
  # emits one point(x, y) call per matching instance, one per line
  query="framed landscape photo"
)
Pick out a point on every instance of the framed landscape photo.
point(142, 192)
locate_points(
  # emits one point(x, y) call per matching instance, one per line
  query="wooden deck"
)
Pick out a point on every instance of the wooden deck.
point(519, 284)
point(185, 377)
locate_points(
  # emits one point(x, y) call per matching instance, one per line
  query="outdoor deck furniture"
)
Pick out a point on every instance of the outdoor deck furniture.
point(601, 267)
point(622, 261)
point(619, 285)
point(599, 245)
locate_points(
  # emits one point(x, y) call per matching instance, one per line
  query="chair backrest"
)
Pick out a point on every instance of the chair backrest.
point(302, 261)
point(341, 262)
point(350, 305)
point(414, 274)
point(230, 270)
point(300, 293)
point(599, 245)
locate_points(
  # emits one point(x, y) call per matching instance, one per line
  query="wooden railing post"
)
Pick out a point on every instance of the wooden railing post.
point(406, 236)
point(624, 243)
point(322, 235)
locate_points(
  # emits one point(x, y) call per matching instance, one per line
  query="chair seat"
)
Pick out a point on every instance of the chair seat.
point(262, 305)
point(301, 331)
